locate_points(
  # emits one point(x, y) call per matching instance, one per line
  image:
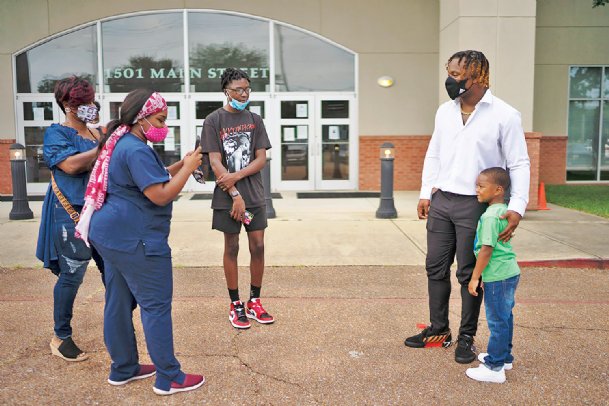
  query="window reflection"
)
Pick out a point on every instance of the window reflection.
point(605, 140)
point(257, 107)
point(582, 146)
point(38, 111)
point(75, 53)
point(335, 109)
point(585, 82)
point(295, 109)
point(144, 51)
point(205, 108)
point(306, 63)
point(35, 166)
point(335, 152)
point(218, 41)
point(335, 165)
point(295, 161)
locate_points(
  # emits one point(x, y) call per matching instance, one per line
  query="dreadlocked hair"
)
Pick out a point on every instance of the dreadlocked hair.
point(231, 74)
point(475, 66)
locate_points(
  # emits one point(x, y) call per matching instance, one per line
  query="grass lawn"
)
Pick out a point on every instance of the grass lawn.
point(593, 199)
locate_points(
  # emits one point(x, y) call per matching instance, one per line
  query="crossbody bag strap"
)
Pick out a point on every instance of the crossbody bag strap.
point(74, 215)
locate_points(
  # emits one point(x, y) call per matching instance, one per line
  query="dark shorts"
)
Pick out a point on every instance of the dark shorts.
point(222, 221)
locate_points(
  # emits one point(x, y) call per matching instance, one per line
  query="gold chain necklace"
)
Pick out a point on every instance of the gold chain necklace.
point(466, 114)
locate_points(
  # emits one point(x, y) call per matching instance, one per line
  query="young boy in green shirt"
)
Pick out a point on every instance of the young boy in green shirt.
point(496, 263)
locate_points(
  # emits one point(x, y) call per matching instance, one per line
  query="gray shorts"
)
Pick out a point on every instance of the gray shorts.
point(222, 221)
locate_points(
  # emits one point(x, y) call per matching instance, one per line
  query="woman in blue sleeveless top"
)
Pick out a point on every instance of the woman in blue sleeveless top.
point(70, 148)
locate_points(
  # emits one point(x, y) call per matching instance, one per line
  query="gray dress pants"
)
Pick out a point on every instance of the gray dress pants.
point(451, 230)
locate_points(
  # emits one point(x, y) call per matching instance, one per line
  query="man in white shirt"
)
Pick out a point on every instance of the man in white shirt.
point(473, 131)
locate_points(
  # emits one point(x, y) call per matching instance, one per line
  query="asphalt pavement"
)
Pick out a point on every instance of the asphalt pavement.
point(346, 289)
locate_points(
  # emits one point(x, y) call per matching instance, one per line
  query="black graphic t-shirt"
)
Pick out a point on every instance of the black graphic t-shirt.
point(236, 136)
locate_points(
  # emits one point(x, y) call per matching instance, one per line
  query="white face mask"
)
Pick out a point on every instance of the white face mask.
point(94, 125)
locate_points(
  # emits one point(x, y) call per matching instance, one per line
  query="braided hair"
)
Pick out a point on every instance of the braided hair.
point(231, 74)
point(475, 66)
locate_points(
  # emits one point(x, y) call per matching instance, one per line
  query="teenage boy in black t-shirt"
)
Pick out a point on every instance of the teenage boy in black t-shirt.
point(236, 141)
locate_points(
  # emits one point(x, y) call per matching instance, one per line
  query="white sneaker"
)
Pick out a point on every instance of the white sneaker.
point(507, 366)
point(484, 374)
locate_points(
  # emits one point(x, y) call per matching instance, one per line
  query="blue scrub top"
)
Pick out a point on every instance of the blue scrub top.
point(60, 143)
point(128, 217)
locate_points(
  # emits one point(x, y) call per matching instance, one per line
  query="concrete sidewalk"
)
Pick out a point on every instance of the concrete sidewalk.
point(337, 232)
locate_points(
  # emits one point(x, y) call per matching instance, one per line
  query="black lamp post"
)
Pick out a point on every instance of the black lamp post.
point(386, 209)
point(21, 209)
point(266, 181)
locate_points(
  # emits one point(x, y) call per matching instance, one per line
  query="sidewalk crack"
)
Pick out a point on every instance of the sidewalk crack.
point(265, 375)
point(409, 238)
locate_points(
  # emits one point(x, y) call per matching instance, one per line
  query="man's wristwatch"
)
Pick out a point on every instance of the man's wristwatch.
point(234, 193)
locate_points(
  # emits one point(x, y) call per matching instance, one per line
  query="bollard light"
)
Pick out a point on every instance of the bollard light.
point(21, 209)
point(387, 151)
point(16, 152)
point(266, 182)
point(386, 208)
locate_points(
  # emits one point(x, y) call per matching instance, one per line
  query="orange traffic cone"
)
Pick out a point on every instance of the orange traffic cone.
point(542, 204)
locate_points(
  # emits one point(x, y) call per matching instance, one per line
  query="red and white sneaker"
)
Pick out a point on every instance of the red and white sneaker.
point(144, 372)
point(256, 311)
point(191, 382)
point(237, 315)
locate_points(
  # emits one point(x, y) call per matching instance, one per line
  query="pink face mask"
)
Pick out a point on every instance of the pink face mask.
point(155, 134)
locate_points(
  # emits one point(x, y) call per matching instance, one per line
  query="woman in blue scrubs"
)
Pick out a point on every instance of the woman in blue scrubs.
point(129, 202)
point(69, 150)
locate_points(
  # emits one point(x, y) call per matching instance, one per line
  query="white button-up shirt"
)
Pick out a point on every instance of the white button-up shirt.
point(457, 152)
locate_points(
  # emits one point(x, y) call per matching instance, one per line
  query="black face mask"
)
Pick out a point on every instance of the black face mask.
point(454, 88)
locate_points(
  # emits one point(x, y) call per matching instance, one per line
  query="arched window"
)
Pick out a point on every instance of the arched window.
point(183, 53)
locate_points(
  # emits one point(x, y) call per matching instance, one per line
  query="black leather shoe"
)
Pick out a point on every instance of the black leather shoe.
point(465, 352)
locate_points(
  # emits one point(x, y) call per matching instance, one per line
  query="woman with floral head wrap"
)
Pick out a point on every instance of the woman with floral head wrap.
point(126, 217)
point(70, 148)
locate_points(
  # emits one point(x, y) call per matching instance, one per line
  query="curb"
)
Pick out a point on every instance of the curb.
point(593, 263)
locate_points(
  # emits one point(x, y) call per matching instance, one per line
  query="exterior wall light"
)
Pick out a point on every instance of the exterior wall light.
point(385, 81)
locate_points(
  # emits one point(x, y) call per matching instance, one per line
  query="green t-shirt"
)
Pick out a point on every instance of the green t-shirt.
point(502, 264)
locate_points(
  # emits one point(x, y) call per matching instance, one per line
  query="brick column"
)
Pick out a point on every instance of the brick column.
point(553, 160)
point(6, 183)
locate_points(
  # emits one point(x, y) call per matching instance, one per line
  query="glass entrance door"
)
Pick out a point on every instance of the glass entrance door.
point(315, 135)
point(36, 113)
point(336, 146)
point(294, 143)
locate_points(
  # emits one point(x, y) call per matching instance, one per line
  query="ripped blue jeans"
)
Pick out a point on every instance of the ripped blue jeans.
point(74, 257)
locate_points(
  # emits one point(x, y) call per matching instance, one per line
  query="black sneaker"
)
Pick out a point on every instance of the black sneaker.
point(427, 338)
point(465, 352)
